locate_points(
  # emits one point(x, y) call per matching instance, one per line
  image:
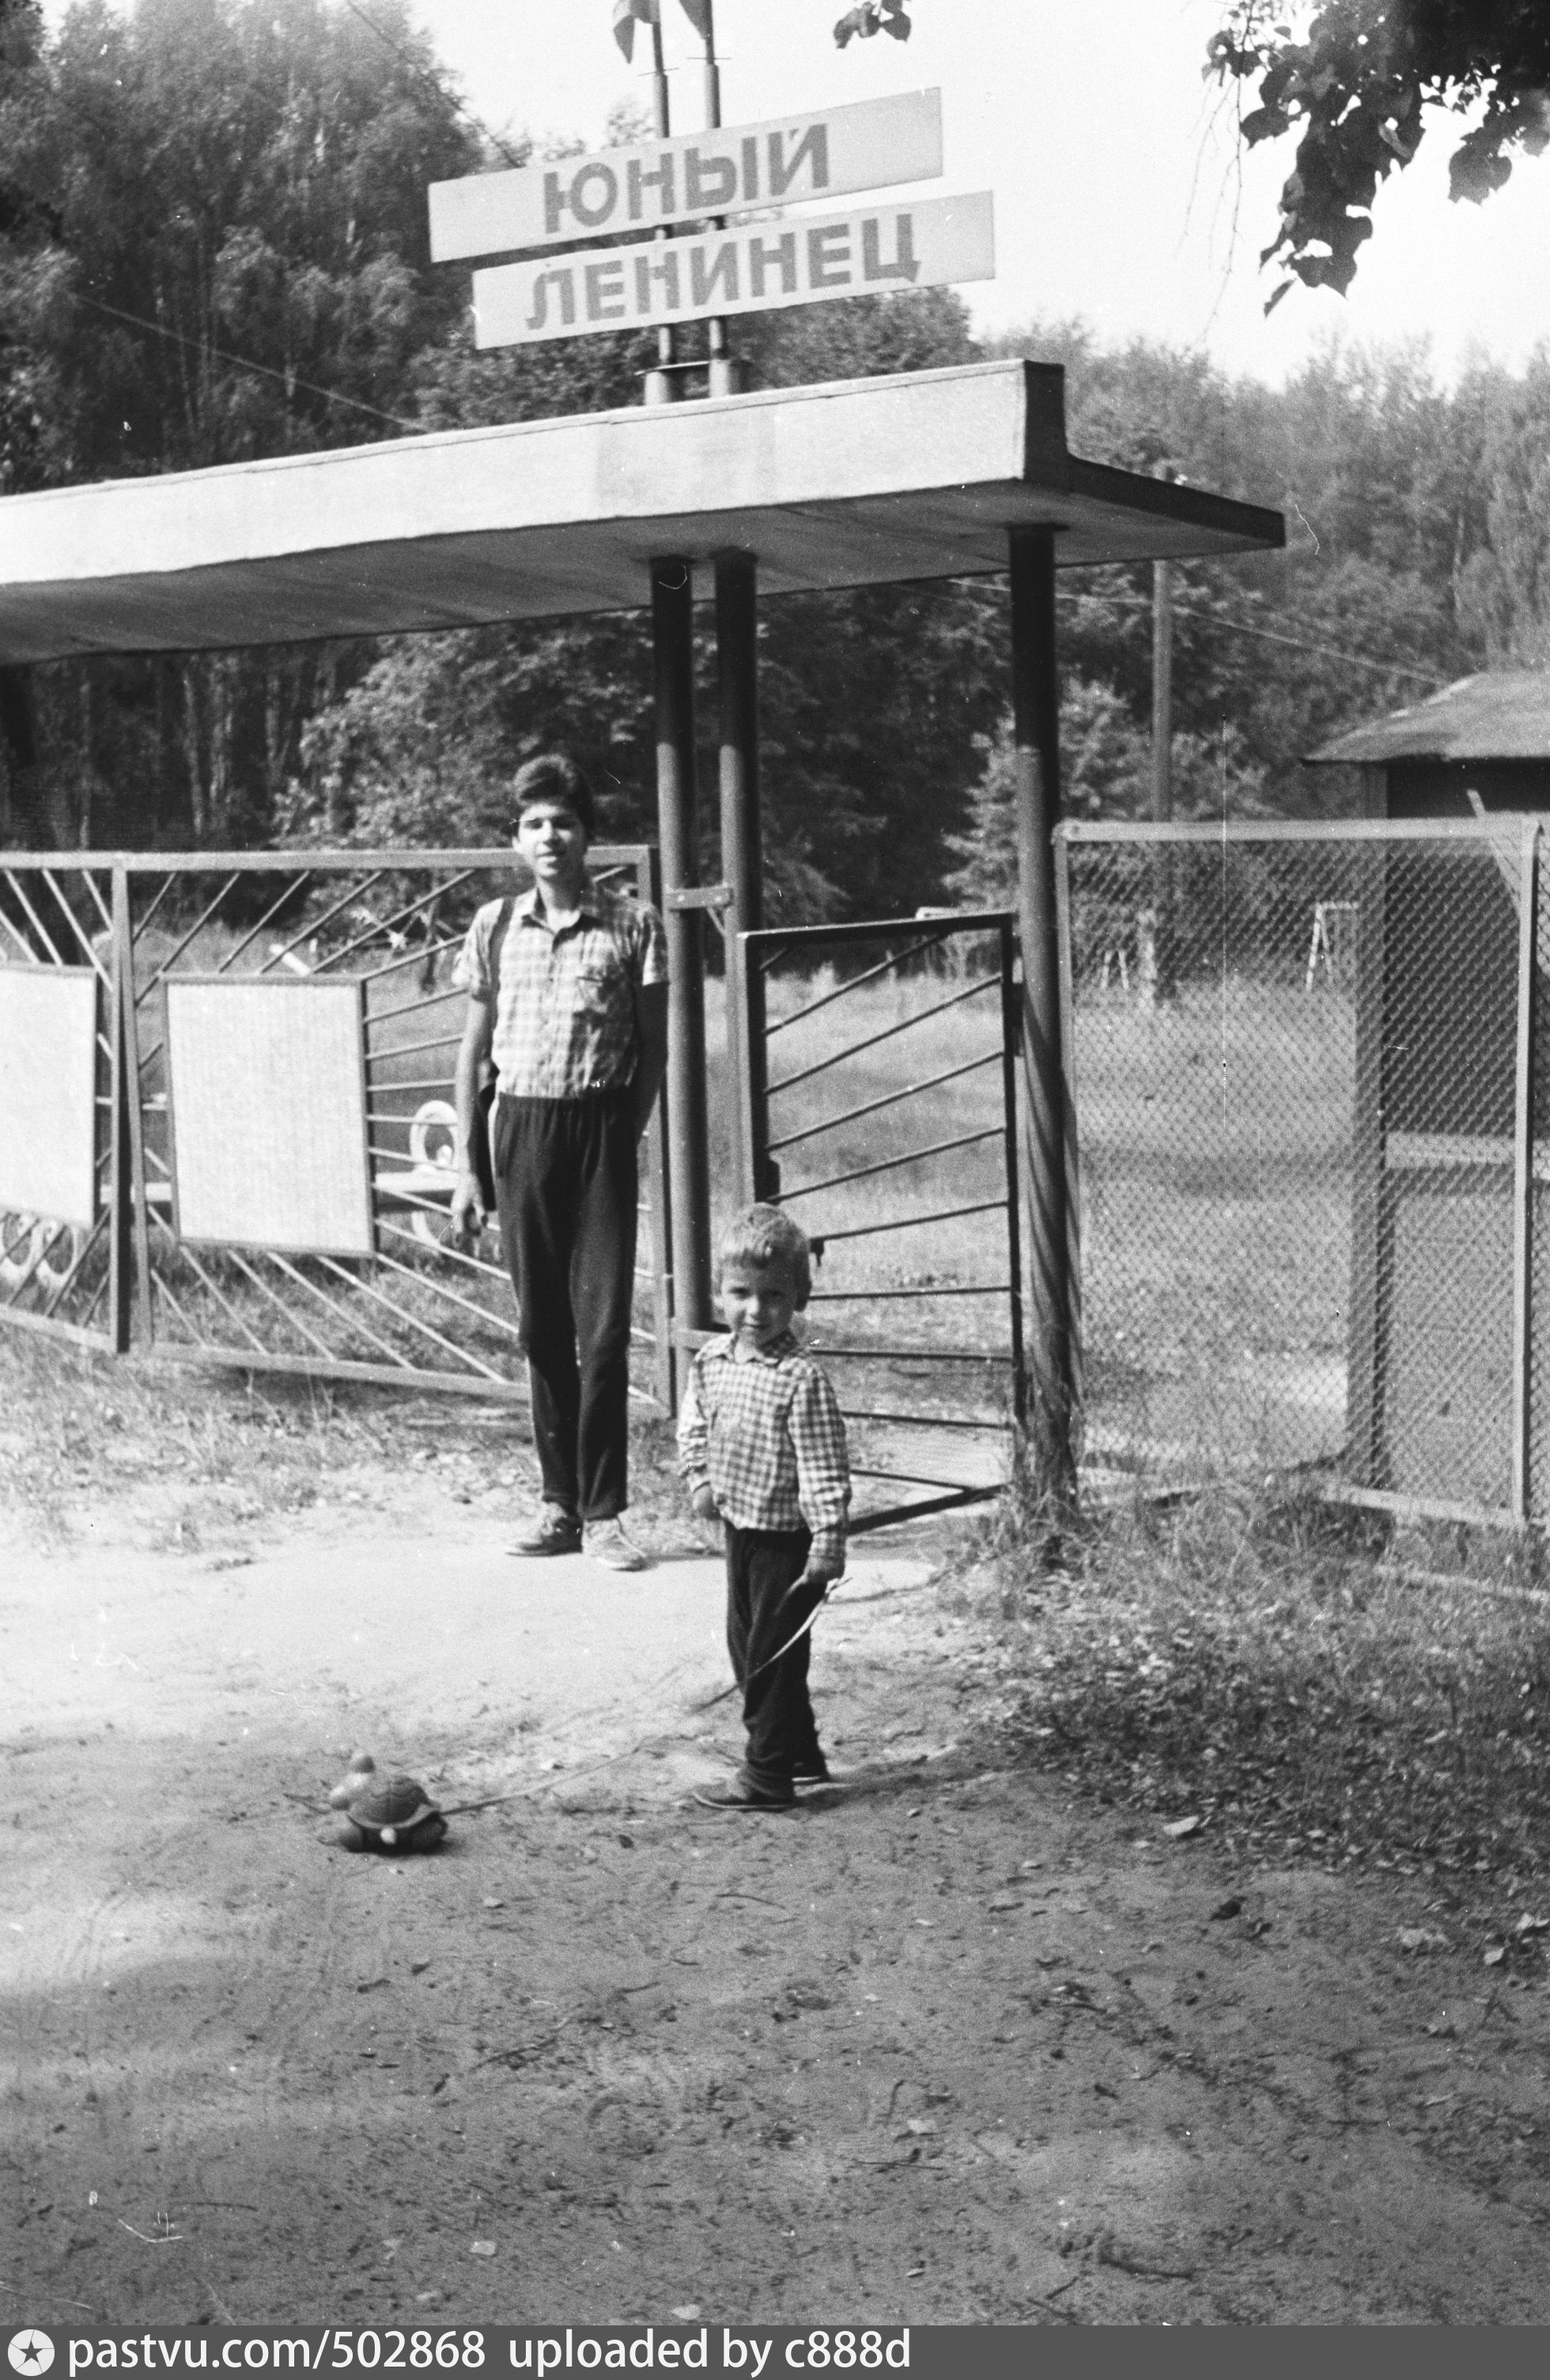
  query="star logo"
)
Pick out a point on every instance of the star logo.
point(30, 2351)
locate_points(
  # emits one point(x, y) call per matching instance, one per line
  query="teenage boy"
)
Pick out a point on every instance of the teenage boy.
point(761, 1442)
point(578, 1033)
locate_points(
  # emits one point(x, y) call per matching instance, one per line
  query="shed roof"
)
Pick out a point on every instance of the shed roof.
point(851, 483)
point(1496, 715)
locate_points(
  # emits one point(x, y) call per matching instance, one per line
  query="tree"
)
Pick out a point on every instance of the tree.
point(1357, 85)
point(213, 246)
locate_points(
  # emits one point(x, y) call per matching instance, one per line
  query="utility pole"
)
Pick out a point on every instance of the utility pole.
point(726, 372)
point(1157, 968)
point(661, 385)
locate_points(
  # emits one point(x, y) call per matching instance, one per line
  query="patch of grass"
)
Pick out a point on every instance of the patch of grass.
point(1309, 1690)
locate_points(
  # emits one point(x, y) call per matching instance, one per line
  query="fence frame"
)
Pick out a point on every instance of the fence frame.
point(132, 1325)
point(112, 1336)
point(751, 956)
point(1513, 839)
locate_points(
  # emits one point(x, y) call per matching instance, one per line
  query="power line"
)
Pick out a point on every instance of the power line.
point(1273, 636)
point(439, 88)
point(288, 381)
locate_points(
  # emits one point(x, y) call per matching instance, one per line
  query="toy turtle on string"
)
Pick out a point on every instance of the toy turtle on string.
point(391, 1815)
point(385, 1813)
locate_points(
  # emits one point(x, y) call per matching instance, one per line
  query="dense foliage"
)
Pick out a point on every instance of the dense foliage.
point(212, 245)
point(1356, 86)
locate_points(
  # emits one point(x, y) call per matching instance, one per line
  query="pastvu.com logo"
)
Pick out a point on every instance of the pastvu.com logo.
point(30, 2351)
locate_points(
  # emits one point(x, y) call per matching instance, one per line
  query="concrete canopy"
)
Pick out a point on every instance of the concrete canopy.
point(852, 483)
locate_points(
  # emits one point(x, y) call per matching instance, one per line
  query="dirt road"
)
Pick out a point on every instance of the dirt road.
point(944, 2044)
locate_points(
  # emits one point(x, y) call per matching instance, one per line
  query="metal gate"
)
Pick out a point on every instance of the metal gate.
point(230, 1077)
point(877, 1068)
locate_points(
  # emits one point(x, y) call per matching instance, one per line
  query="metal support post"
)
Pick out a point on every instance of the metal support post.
point(1523, 1170)
point(1036, 728)
point(741, 854)
point(678, 834)
point(1158, 978)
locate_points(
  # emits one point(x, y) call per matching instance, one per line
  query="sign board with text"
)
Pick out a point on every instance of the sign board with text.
point(828, 153)
point(748, 270)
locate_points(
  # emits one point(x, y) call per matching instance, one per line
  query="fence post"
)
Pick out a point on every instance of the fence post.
point(1522, 1168)
point(678, 825)
point(658, 1177)
point(1035, 727)
point(742, 860)
point(125, 1092)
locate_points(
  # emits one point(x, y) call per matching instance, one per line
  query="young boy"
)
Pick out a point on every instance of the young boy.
point(761, 1441)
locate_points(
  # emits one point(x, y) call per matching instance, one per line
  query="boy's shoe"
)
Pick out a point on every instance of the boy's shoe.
point(555, 1531)
point(736, 1794)
point(811, 1769)
point(607, 1543)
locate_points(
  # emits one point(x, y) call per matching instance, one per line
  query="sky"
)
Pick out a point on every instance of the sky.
point(1120, 191)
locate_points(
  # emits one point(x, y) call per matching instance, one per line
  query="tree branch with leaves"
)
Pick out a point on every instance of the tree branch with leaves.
point(1357, 84)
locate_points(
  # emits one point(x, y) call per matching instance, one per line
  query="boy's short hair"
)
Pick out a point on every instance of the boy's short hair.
point(553, 777)
point(766, 1236)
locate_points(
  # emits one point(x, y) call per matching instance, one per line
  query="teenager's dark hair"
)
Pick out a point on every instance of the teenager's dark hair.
point(554, 777)
point(763, 1235)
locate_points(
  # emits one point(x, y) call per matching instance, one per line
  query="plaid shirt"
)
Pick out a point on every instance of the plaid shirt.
point(566, 1020)
point(766, 1436)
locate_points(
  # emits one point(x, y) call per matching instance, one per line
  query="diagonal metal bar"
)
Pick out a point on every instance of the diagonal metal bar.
point(890, 1165)
point(212, 1289)
point(167, 884)
point(910, 1354)
point(87, 877)
point(40, 1250)
point(314, 926)
point(93, 960)
point(288, 1315)
point(891, 1099)
point(89, 1242)
point(413, 1049)
point(853, 1049)
point(298, 884)
point(93, 1301)
point(866, 1523)
point(906, 1222)
point(938, 1289)
point(852, 983)
point(364, 1289)
point(912, 1478)
point(925, 1420)
point(413, 958)
point(439, 1287)
point(159, 1288)
point(179, 948)
point(410, 1008)
point(23, 946)
point(15, 885)
point(351, 1322)
point(393, 919)
point(450, 1255)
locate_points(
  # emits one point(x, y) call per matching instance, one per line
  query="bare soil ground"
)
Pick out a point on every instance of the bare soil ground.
point(957, 2041)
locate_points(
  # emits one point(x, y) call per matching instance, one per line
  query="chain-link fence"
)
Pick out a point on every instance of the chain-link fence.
point(1305, 1064)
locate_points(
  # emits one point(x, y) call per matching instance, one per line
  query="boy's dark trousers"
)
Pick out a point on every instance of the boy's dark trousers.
point(566, 1186)
point(761, 1613)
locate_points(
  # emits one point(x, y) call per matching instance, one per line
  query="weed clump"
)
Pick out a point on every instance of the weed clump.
point(1275, 1668)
